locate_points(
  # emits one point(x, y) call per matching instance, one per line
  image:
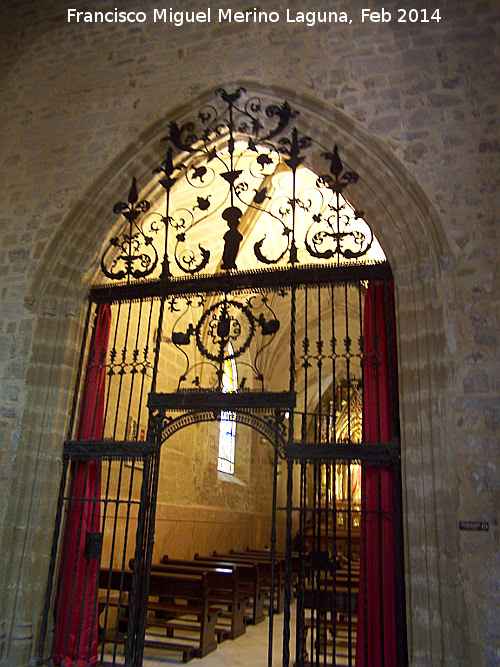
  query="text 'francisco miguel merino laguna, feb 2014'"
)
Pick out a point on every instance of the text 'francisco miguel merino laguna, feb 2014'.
point(310, 18)
point(178, 18)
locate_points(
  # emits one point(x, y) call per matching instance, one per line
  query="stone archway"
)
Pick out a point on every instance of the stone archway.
point(411, 235)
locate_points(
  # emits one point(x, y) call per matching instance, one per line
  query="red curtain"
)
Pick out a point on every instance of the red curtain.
point(76, 641)
point(376, 638)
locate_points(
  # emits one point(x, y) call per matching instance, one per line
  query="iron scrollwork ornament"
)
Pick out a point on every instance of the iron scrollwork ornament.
point(291, 148)
point(237, 195)
point(333, 234)
point(132, 254)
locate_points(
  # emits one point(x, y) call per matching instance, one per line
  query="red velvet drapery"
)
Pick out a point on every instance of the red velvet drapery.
point(76, 640)
point(376, 639)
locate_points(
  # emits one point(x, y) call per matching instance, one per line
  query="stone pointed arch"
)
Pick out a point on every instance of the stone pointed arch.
point(412, 237)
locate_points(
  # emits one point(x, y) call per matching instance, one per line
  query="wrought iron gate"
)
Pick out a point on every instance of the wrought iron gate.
point(95, 608)
point(348, 568)
point(179, 301)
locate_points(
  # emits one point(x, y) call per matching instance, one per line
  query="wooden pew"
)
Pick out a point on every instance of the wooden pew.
point(264, 556)
point(248, 578)
point(264, 562)
point(251, 582)
point(294, 560)
point(223, 584)
point(172, 596)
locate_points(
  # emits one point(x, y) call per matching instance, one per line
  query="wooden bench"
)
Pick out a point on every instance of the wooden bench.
point(224, 589)
point(171, 596)
point(295, 558)
point(264, 562)
point(250, 583)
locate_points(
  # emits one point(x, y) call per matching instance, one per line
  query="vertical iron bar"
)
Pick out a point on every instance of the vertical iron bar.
point(149, 544)
point(106, 502)
point(314, 549)
point(347, 345)
point(289, 499)
point(364, 516)
point(96, 585)
point(273, 556)
point(137, 579)
point(135, 356)
point(128, 503)
point(112, 353)
point(377, 353)
point(334, 364)
point(335, 408)
point(331, 484)
point(319, 348)
point(159, 330)
point(305, 347)
point(348, 353)
point(165, 267)
point(115, 527)
point(145, 352)
point(327, 554)
point(286, 618)
point(122, 373)
point(147, 509)
point(300, 639)
point(293, 245)
point(349, 562)
point(52, 566)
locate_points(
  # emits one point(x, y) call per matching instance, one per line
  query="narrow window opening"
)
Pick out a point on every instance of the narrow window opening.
point(227, 428)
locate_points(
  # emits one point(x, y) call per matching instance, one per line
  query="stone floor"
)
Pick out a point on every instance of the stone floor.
point(249, 650)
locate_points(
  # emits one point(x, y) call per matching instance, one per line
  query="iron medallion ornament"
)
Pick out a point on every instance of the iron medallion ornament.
point(231, 328)
point(224, 323)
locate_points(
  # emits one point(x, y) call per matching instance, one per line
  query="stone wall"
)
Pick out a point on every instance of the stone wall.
point(415, 106)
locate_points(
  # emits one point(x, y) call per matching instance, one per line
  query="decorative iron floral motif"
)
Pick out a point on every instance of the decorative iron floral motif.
point(132, 254)
point(244, 195)
point(335, 227)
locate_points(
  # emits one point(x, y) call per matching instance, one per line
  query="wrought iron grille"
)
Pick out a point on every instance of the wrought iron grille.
point(236, 194)
point(240, 253)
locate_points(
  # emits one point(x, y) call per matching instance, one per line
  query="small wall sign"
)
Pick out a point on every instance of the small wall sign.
point(473, 525)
